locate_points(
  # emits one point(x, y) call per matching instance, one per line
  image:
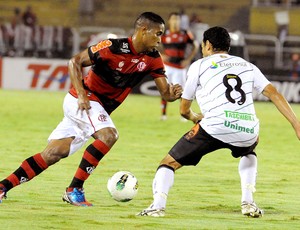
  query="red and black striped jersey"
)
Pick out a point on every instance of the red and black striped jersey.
point(175, 44)
point(116, 69)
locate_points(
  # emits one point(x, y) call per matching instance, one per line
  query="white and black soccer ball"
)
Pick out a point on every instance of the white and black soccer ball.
point(123, 186)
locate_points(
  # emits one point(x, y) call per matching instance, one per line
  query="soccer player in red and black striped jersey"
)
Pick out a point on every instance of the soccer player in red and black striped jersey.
point(117, 65)
point(175, 54)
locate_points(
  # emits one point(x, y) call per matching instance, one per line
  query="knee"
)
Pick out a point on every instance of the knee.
point(170, 162)
point(109, 136)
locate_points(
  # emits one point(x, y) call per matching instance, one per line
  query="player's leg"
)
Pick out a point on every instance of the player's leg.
point(248, 173)
point(162, 183)
point(187, 151)
point(104, 140)
point(36, 164)
point(100, 126)
point(163, 105)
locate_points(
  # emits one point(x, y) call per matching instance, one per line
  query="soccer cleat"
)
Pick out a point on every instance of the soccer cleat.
point(163, 118)
point(2, 194)
point(251, 210)
point(76, 197)
point(152, 212)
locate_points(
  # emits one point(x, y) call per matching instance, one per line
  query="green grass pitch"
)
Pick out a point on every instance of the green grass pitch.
point(203, 197)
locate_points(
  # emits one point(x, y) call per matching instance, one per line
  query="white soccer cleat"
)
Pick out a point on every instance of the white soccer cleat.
point(251, 210)
point(163, 118)
point(152, 212)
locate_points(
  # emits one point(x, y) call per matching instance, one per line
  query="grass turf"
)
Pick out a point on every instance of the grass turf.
point(203, 197)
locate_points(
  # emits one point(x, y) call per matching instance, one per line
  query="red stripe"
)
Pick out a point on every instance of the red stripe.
point(90, 158)
point(13, 179)
point(29, 171)
point(92, 123)
point(40, 161)
point(81, 175)
point(100, 146)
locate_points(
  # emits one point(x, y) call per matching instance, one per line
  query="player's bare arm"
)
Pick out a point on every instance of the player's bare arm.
point(187, 112)
point(283, 106)
point(168, 92)
point(75, 70)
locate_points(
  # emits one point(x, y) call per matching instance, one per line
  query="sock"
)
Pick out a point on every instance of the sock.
point(163, 107)
point(90, 159)
point(29, 168)
point(248, 171)
point(163, 181)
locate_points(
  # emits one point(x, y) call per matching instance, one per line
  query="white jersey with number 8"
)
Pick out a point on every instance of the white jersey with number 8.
point(223, 86)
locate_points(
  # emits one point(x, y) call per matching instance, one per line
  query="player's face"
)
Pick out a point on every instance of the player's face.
point(152, 36)
point(174, 23)
point(205, 48)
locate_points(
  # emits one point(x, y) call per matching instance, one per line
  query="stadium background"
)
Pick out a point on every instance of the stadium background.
point(64, 30)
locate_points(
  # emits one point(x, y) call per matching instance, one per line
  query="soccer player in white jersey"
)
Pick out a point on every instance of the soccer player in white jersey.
point(222, 85)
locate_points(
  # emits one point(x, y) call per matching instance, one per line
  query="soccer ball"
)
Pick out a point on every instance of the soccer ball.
point(122, 186)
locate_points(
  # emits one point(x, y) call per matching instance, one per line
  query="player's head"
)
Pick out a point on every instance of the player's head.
point(174, 21)
point(215, 39)
point(148, 18)
point(149, 28)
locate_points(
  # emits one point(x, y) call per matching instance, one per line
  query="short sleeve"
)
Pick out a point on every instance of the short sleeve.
point(260, 81)
point(192, 82)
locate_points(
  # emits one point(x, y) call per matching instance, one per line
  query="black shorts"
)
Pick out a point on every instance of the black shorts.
point(196, 143)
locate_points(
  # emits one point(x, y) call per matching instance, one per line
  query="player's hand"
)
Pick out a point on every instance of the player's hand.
point(83, 104)
point(197, 117)
point(177, 90)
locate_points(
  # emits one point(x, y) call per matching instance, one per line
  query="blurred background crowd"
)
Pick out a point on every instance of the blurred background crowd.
point(265, 32)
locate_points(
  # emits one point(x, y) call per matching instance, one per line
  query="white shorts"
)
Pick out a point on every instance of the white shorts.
point(176, 75)
point(80, 126)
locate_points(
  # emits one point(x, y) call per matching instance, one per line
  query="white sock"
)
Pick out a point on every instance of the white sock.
point(248, 172)
point(163, 181)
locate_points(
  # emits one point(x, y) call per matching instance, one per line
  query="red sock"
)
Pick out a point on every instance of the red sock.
point(90, 159)
point(29, 168)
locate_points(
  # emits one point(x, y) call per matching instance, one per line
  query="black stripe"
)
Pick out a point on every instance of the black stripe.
point(7, 184)
point(35, 167)
point(95, 152)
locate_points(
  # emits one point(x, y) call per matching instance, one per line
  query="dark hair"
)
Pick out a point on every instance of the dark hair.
point(173, 13)
point(218, 37)
point(148, 16)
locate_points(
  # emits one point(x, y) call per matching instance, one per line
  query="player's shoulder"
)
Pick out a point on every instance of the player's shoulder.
point(120, 45)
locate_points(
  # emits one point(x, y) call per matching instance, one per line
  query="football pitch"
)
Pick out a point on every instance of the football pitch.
point(203, 197)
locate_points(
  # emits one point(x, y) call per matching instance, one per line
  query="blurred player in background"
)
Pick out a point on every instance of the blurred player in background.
point(175, 42)
point(117, 66)
point(222, 85)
